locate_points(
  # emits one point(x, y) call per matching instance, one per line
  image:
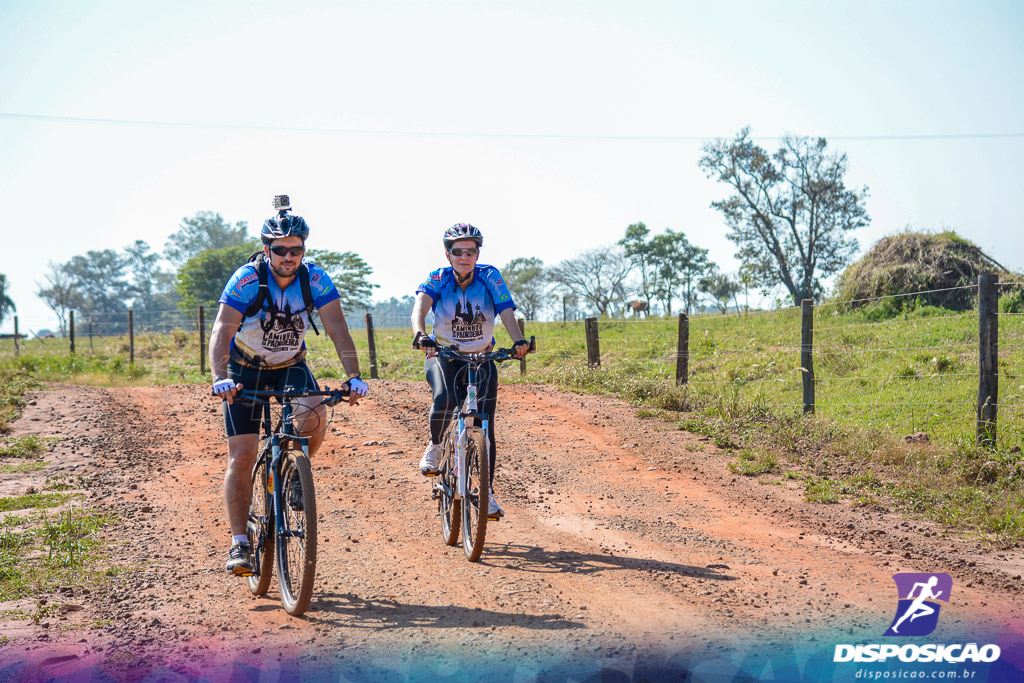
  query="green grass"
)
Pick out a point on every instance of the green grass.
point(29, 447)
point(38, 554)
point(23, 467)
point(749, 463)
point(30, 501)
point(14, 384)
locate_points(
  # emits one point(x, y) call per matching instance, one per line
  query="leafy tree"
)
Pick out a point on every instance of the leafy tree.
point(205, 230)
point(598, 276)
point(644, 258)
point(791, 214)
point(527, 281)
point(350, 275)
point(6, 302)
point(720, 288)
point(201, 280)
point(60, 294)
point(143, 266)
point(679, 265)
point(100, 279)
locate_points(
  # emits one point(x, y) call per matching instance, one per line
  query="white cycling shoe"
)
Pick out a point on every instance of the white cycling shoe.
point(430, 463)
point(494, 510)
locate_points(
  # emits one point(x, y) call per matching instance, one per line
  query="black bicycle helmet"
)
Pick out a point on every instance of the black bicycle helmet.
point(284, 225)
point(462, 231)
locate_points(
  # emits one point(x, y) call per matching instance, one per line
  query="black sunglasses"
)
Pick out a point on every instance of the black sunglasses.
point(294, 251)
point(459, 251)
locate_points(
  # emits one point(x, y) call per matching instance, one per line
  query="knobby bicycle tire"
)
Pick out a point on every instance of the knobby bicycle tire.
point(449, 508)
point(474, 503)
point(260, 528)
point(296, 545)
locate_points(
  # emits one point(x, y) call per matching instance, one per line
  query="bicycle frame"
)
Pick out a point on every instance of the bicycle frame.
point(274, 440)
point(469, 412)
point(275, 443)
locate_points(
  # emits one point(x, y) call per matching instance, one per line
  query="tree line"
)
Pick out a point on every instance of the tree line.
point(790, 215)
point(202, 254)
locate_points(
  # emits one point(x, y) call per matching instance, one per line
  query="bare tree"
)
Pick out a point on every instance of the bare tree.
point(598, 276)
point(61, 294)
point(791, 214)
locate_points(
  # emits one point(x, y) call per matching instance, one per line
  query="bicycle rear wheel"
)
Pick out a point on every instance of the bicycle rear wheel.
point(296, 543)
point(446, 484)
point(260, 528)
point(474, 504)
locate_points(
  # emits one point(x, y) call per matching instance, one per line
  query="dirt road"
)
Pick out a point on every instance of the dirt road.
point(626, 542)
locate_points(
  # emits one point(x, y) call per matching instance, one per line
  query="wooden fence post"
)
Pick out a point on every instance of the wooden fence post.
point(807, 352)
point(371, 342)
point(988, 359)
point(90, 335)
point(202, 340)
point(683, 350)
point(593, 343)
point(16, 349)
point(131, 336)
point(71, 330)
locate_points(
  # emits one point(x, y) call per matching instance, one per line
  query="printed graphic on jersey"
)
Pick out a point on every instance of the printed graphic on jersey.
point(467, 325)
point(283, 331)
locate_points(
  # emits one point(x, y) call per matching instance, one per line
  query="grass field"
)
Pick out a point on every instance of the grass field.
point(876, 382)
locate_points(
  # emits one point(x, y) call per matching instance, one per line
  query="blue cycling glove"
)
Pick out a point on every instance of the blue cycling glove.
point(358, 386)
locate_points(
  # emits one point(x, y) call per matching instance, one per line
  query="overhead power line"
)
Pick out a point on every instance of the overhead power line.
point(427, 133)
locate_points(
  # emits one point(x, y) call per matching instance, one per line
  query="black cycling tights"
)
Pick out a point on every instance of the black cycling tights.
point(441, 375)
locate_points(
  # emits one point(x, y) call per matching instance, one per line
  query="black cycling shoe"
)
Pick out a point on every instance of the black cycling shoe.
point(295, 495)
point(240, 560)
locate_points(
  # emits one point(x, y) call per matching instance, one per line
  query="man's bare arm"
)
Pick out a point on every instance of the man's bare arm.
point(224, 328)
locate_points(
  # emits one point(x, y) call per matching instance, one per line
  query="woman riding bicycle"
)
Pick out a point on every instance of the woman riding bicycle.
point(465, 299)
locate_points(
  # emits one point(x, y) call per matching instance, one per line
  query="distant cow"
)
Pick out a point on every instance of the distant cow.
point(638, 307)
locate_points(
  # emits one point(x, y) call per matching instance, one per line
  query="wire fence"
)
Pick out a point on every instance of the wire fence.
point(910, 374)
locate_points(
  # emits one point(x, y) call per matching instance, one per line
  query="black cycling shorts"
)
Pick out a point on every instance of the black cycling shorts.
point(245, 419)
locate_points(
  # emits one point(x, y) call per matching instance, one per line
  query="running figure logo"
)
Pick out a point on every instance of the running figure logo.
point(918, 613)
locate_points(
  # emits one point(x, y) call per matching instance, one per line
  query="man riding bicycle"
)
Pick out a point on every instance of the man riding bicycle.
point(258, 342)
point(465, 299)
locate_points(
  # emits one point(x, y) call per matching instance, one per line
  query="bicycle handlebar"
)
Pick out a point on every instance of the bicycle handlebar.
point(331, 396)
point(498, 355)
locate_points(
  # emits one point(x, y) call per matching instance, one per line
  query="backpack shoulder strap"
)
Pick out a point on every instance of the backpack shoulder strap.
point(262, 294)
point(307, 296)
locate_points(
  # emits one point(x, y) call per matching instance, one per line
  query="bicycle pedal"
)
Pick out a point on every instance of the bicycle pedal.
point(430, 474)
point(495, 518)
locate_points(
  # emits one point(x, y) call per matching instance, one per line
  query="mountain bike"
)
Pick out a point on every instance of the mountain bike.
point(462, 487)
point(283, 506)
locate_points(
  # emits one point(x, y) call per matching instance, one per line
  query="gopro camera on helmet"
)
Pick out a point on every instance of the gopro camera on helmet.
point(282, 203)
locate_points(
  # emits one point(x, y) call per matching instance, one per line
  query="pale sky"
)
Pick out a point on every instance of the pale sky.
point(551, 125)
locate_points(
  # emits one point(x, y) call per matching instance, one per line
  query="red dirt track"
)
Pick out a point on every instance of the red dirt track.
point(624, 539)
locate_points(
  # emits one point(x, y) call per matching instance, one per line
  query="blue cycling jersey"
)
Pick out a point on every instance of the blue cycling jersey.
point(466, 317)
point(279, 338)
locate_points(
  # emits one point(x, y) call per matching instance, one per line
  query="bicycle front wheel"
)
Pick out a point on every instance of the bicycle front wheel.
point(296, 540)
point(260, 528)
point(474, 504)
point(448, 506)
